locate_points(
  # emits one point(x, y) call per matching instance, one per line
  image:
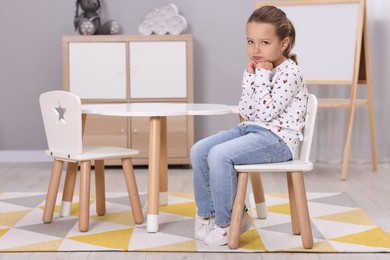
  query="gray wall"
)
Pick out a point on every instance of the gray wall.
point(30, 57)
point(30, 63)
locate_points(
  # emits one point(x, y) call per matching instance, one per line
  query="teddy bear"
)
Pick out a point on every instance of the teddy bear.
point(88, 22)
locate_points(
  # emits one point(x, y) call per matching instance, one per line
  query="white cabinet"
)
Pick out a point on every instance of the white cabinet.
point(132, 68)
point(158, 70)
point(101, 67)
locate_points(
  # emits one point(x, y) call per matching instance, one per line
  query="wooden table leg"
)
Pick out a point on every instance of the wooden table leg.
point(83, 122)
point(163, 196)
point(100, 188)
point(154, 168)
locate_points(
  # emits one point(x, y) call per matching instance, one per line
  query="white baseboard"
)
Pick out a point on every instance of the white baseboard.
point(24, 156)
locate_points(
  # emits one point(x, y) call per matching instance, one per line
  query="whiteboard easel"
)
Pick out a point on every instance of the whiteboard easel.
point(333, 49)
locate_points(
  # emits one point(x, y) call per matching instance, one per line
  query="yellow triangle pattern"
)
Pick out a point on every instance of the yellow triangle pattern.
point(185, 195)
point(251, 240)
point(356, 216)
point(279, 195)
point(46, 246)
point(118, 239)
point(74, 211)
point(184, 209)
point(123, 218)
point(11, 218)
point(322, 246)
point(281, 209)
point(375, 237)
point(3, 231)
point(187, 246)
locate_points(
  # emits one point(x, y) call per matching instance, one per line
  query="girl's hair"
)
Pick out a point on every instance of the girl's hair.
point(284, 27)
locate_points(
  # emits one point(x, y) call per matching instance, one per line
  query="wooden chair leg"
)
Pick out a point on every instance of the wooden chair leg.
point(67, 194)
point(302, 209)
point(293, 208)
point(258, 192)
point(85, 179)
point(51, 196)
point(100, 188)
point(238, 209)
point(132, 189)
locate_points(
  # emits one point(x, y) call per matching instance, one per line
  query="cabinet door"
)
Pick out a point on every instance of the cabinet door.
point(158, 69)
point(106, 130)
point(97, 70)
point(177, 140)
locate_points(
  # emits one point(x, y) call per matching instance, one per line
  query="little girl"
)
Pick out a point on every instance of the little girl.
point(272, 104)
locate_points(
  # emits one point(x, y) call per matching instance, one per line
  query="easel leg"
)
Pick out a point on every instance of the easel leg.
point(370, 96)
point(347, 146)
point(372, 128)
point(363, 62)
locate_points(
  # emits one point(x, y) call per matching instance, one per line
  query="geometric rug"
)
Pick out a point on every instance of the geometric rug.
point(338, 226)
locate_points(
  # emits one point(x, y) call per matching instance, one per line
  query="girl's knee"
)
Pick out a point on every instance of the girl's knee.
point(197, 152)
point(194, 150)
point(218, 156)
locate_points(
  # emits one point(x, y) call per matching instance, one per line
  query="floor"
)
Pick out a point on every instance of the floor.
point(369, 190)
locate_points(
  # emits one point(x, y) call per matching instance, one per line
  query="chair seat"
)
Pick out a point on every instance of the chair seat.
point(295, 165)
point(95, 153)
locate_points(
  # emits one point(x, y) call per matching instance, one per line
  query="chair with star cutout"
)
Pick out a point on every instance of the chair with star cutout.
point(295, 169)
point(63, 123)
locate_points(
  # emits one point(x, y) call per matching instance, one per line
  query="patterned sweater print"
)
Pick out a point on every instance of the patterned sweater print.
point(276, 100)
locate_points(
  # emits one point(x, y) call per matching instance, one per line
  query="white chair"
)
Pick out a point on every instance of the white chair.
point(62, 117)
point(300, 218)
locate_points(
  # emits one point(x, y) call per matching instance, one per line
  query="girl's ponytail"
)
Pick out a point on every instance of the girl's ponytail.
point(291, 36)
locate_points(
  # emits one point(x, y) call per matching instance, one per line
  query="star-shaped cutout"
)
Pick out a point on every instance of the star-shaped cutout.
point(60, 111)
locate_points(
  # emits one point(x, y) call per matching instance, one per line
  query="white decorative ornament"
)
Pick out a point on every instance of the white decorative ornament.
point(146, 25)
point(177, 25)
point(165, 20)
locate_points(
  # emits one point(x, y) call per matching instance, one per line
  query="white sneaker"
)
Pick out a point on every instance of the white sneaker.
point(219, 236)
point(246, 223)
point(203, 227)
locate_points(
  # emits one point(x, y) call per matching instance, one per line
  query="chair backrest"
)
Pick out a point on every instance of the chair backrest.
point(310, 119)
point(61, 113)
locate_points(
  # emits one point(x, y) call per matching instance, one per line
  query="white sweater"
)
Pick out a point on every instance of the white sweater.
point(276, 100)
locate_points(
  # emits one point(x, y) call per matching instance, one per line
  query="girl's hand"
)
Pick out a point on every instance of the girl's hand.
point(265, 65)
point(251, 67)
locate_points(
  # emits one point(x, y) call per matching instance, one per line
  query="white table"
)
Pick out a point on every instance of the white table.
point(158, 166)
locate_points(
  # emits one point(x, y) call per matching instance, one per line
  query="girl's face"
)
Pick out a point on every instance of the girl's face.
point(263, 45)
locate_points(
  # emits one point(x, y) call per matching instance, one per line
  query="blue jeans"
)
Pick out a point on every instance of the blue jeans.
point(213, 160)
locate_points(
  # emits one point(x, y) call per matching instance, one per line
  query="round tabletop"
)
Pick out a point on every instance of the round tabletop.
point(156, 109)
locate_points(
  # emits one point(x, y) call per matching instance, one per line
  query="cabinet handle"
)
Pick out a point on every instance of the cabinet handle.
point(135, 130)
point(122, 130)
